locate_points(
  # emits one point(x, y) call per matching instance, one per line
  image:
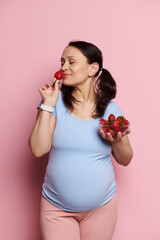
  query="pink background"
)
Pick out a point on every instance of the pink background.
point(33, 36)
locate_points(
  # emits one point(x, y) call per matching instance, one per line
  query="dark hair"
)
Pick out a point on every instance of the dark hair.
point(105, 84)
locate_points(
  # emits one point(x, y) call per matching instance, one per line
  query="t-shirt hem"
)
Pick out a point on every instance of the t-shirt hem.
point(85, 210)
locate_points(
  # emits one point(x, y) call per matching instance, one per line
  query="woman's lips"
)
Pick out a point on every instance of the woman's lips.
point(66, 75)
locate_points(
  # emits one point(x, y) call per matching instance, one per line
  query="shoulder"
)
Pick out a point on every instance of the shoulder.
point(112, 105)
point(113, 108)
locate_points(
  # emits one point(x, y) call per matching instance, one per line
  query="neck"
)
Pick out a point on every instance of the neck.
point(85, 93)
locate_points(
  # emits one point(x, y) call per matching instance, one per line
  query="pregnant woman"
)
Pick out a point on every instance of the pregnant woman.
point(79, 199)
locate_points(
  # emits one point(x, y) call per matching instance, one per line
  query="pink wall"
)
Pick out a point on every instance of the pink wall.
point(33, 36)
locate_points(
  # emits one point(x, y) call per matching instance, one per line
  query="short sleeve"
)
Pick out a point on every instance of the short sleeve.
point(54, 111)
point(113, 108)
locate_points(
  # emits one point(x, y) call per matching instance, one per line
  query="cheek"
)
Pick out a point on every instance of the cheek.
point(80, 73)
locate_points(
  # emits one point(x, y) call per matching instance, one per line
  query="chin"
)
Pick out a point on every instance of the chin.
point(68, 83)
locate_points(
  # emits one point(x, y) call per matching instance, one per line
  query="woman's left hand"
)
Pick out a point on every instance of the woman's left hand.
point(108, 136)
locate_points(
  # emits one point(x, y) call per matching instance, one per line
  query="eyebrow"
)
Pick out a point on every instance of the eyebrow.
point(67, 57)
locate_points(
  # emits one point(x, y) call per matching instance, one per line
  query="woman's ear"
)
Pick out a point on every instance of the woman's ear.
point(94, 67)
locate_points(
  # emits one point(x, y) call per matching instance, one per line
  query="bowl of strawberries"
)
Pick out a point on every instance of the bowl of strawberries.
point(114, 125)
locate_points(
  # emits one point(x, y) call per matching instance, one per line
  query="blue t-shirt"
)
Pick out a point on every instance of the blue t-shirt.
point(79, 175)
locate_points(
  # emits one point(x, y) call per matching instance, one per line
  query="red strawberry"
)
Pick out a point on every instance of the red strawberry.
point(111, 117)
point(125, 124)
point(58, 75)
point(120, 118)
point(103, 121)
point(105, 129)
point(115, 124)
point(111, 131)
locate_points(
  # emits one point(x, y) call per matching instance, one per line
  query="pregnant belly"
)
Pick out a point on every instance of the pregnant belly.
point(80, 188)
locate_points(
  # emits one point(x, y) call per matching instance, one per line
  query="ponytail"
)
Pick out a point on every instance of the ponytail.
point(106, 90)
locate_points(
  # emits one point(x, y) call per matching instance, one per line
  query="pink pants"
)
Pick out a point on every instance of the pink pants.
point(57, 224)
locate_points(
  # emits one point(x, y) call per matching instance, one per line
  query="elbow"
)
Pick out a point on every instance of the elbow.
point(126, 163)
point(33, 150)
point(128, 159)
point(125, 160)
point(38, 152)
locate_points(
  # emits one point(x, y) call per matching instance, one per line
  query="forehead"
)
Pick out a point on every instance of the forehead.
point(72, 51)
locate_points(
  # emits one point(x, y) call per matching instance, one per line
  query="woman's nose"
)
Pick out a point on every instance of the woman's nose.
point(64, 66)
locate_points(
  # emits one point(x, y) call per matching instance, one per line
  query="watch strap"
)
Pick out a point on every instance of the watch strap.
point(46, 108)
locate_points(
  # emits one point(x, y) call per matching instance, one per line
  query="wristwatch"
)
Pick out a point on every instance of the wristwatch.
point(46, 108)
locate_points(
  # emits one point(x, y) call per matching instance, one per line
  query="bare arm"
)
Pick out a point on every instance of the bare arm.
point(40, 139)
point(121, 148)
point(122, 151)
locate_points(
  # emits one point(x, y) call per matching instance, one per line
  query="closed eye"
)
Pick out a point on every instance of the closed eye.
point(69, 63)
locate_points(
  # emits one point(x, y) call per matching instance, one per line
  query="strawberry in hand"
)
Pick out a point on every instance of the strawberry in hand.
point(58, 75)
point(114, 125)
point(111, 117)
point(103, 121)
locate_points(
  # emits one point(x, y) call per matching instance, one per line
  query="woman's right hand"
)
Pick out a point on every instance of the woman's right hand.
point(50, 93)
